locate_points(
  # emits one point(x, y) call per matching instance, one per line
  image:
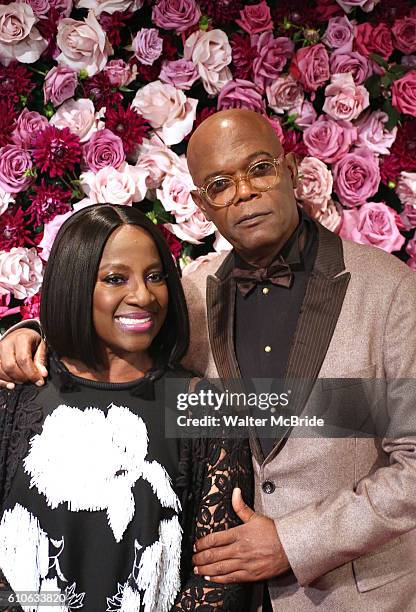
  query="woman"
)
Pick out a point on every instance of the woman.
point(89, 507)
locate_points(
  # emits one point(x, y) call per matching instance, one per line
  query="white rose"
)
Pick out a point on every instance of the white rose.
point(19, 39)
point(211, 54)
point(80, 117)
point(21, 272)
point(125, 185)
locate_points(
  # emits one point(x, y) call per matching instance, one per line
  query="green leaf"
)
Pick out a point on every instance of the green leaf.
point(397, 71)
point(386, 80)
point(379, 60)
point(204, 22)
point(373, 85)
point(393, 113)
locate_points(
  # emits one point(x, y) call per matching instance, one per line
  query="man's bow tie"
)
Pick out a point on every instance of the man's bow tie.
point(278, 273)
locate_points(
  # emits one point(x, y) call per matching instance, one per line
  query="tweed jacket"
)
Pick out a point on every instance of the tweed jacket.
point(344, 508)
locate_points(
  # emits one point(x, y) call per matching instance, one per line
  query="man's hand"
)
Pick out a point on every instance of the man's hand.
point(246, 553)
point(22, 358)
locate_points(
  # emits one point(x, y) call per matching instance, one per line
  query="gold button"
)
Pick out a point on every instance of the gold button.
point(265, 290)
point(267, 349)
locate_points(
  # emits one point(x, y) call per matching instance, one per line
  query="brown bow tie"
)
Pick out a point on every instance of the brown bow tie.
point(278, 273)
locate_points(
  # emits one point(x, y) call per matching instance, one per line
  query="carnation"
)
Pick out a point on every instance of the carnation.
point(356, 177)
point(15, 81)
point(241, 94)
point(20, 272)
point(15, 169)
point(48, 201)
point(127, 124)
point(56, 151)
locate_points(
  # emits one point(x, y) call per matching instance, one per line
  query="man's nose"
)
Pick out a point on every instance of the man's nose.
point(244, 190)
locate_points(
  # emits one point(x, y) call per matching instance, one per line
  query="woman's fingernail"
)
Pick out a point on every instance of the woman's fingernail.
point(39, 383)
point(194, 547)
point(10, 385)
point(195, 570)
point(207, 577)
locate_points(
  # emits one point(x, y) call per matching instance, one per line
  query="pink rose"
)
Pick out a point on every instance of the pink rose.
point(284, 93)
point(15, 169)
point(167, 109)
point(331, 217)
point(175, 195)
point(196, 263)
point(80, 117)
point(59, 85)
point(6, 199)
point(211, 54)
point(240, 94)
point(351, 61)
point(158, 160)
point(310, 66)
point(40, 7)
point(50, 231)
point(147, 45)
point(64, 7)
point(109, 6)
point(109, 185)
point(404, 34)
point(28, 125)
point(339, 34)
point(374, 39)
point(20, 272)
point(406, 188)
point(314, 186)
point(119, 73)
point(404, 93)
point(194, 229)
point(181, 73)
point(374, 223)
point(356, 177)
point(83, 44)
point(329, 140)
point(365, 5)
point(19, 39)
point(255, 18)
point(344, 99)
point(305, 114)
point(104, 149)
point(411, 248)
point(373, 134)
point(179, 15)
point(272, 55)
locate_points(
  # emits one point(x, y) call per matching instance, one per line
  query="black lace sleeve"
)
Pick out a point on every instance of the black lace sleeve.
point(216, 468)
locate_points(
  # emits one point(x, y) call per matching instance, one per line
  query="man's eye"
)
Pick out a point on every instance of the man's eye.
point(114, 279)
point(220, 185)
point(262, 169)
point(156, 277)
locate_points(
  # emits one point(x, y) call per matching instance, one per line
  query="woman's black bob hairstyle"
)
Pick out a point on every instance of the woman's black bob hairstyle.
point(70, 277)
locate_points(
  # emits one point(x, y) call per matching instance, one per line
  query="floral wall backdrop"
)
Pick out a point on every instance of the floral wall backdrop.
point(99, 97)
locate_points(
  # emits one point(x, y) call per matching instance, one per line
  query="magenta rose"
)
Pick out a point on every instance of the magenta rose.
point(181, 73)
point(374, 39)
point(240, 94)
point(339, 34)
point(119, 73)
point(28, 125)
point(177, 15)
point(147, 45)
point(404, 34)
point(310, 66)
point(356, 177)
point(374, 223)
point(404, 94)
point(344, 99)
point(104, 149)
point(60, 84)
point(256, 18)
point(365, 5)
point(351, 61)
point(329, 140)
point(15, 169)
point(273, 54)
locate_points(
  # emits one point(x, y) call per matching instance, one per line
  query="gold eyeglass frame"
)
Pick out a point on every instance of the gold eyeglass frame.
point(276, 161)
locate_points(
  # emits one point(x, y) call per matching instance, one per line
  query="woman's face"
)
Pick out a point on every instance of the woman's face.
point(130, 299)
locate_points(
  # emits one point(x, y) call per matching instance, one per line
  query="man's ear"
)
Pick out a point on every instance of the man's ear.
point(292, 166)
point(200, 202)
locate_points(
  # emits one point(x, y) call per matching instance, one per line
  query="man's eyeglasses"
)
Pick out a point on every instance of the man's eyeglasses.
point(221, 191)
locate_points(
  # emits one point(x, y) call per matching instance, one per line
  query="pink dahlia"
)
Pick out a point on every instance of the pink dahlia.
point(56, 151)
point(48, 201)
point(14, 230)
point(128, 125)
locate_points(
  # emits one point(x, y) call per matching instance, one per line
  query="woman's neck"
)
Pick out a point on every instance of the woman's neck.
point(116, 369)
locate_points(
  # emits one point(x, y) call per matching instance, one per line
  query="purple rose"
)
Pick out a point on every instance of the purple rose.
point(310, 66)
point(374, 223)
point(177, 15)
point(240, 94)
point(356, 177)
point(181, 73)
point(104, 149)
point(60, 84)
point(147, 45)
point(28, 125)
point(329, 140)
point(256, 18)
point(353, 62)
point(273, 54)
point(339, 34)
point(15, 169)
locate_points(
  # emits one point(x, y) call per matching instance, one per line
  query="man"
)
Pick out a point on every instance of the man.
point(334, 520)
